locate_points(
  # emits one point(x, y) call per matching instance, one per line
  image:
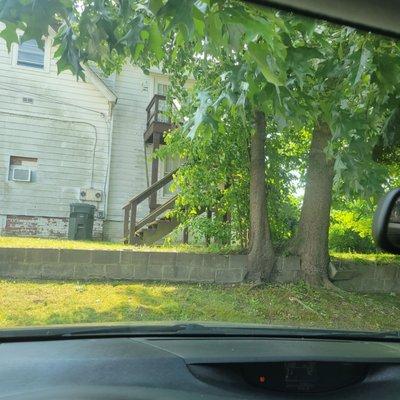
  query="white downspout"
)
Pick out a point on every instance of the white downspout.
point(110, 125)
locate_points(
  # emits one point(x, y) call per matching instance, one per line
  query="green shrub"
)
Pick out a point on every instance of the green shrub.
point(350, 231)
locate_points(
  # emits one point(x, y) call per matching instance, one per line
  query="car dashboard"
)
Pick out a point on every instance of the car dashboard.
point(199, 368)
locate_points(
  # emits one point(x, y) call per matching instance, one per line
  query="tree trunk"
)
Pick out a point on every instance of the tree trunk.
point(311, 241)
point(261, 255)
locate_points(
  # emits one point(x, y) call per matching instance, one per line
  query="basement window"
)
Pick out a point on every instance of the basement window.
point(22, 169)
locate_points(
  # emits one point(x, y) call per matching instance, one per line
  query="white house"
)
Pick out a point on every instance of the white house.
point(65, 141)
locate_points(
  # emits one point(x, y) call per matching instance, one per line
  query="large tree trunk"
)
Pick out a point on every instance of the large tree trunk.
point(261, 255)
point(311, 241)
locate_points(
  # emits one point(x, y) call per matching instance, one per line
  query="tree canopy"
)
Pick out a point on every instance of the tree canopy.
point(301, 74)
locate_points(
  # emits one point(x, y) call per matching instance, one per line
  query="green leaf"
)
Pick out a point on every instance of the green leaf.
point(235, 34)
point(201, 115)
point(155, 41)
point(213, 30)
point(68, 54)
point(132, 36)
point(252, 25)
point(299, 62)
point(388, 72)
point(155, 5)
point(259, 54)
point(364, 58)
point(339, 165)
point(201, 6)
point(9, 34)
point(179, 14)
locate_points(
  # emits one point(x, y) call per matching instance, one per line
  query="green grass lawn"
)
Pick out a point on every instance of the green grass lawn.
point(41, 303)
point(30, 242)
point(361, 258)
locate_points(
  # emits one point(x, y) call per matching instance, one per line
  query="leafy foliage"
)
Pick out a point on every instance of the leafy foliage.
point(243, 59)
point(350, 232)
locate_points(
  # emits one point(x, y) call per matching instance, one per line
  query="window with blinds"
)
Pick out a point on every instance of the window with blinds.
point(30, 55)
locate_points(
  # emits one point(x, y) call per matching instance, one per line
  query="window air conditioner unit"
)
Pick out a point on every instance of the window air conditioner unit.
point(21, 174)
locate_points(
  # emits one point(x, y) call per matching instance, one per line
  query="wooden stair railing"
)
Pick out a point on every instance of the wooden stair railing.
point(153, 115)
point(155, 213)
point(131, 226)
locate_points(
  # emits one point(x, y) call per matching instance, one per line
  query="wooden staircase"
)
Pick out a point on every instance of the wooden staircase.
point(155, 225)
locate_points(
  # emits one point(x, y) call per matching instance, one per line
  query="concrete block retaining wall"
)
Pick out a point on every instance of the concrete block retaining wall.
point(64, 264)
point(347, 275)
point(120, 265)
point(366, 278)
point(353, 277)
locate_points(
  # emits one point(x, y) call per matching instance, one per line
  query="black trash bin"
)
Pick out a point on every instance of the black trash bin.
point(81, 219)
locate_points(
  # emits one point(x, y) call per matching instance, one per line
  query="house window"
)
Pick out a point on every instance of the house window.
point(30, 55)
point(162, 89)
point(22, 169)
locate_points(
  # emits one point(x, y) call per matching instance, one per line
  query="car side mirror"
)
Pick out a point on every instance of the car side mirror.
point(386, 223)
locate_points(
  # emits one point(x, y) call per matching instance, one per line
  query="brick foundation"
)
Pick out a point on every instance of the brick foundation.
point(47, 227)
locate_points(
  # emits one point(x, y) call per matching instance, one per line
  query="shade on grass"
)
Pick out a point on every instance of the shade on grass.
point(41, 303)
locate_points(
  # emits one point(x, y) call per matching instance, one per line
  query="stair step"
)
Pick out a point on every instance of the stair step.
point(155, 213)
point(155, 225)
point(149, 236)
point(156, 222)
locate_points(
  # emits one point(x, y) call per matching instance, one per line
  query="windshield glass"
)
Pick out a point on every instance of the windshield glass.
point(194, 161)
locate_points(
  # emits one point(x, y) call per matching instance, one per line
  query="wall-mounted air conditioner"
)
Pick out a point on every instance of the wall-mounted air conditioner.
point(21, 174)
point(90, 194)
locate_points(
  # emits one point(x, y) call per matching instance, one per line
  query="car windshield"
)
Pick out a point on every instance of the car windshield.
point(181, 161)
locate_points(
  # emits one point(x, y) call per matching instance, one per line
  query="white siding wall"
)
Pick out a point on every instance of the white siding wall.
point(128, 174)
point(66, 121)
point(128, 166)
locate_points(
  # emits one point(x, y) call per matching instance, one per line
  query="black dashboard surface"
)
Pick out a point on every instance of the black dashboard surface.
point(195, 368)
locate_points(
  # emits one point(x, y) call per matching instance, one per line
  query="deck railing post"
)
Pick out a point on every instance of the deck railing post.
point(132, 226)
point(185, 235)
point(126, 224)
point(154, 170)
point(156, 109)
point(208, 237)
